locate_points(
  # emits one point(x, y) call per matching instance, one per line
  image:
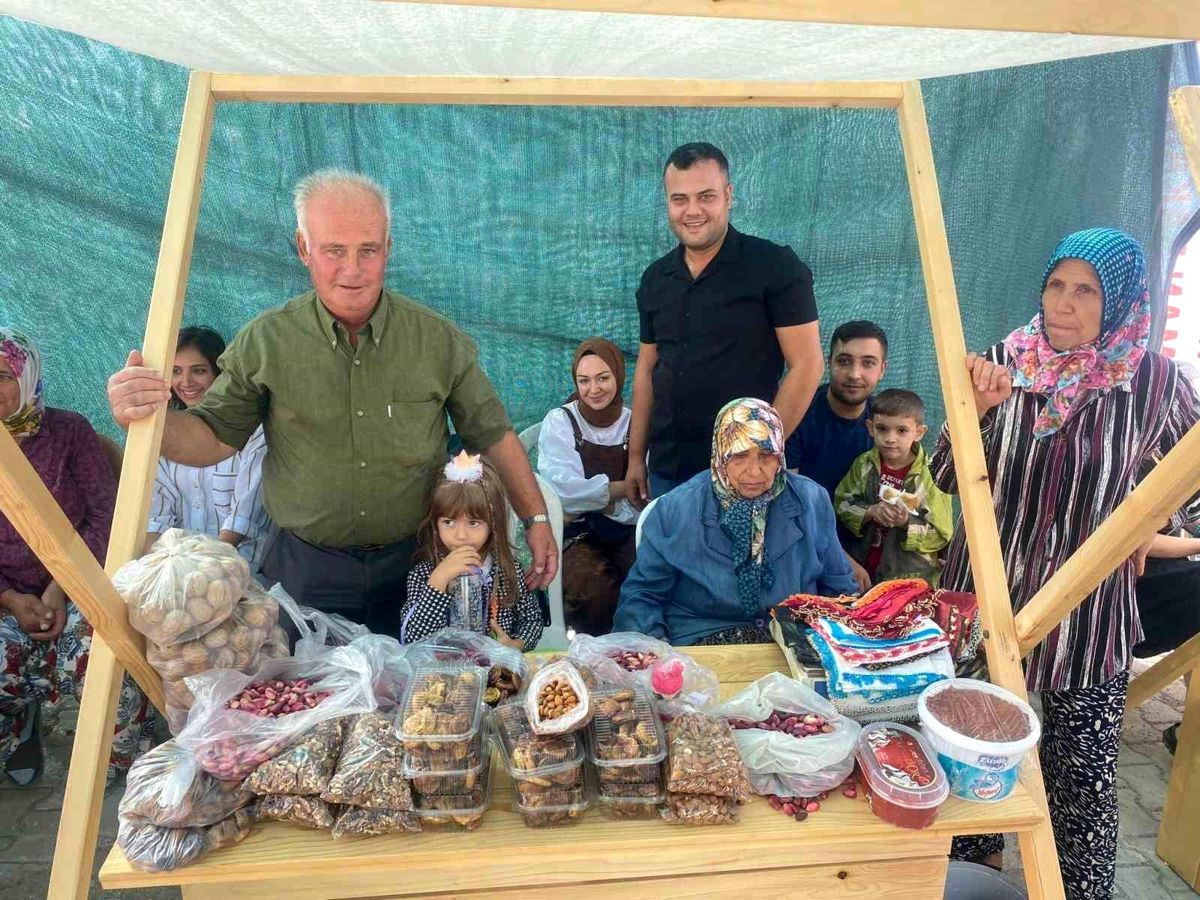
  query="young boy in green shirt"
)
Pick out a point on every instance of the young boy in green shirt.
point(899, 519)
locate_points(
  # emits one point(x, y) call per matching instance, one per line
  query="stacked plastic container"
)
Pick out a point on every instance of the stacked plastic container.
point(627, 746)
point(447, 754)
point(547, 771)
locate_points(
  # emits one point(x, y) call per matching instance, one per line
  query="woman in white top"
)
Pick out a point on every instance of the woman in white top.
point(583, 449)
point(223, 501)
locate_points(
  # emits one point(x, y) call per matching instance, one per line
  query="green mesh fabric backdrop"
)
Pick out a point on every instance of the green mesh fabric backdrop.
point(530, 226)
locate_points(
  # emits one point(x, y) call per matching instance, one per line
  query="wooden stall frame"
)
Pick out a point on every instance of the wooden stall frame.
point(1178, 19)
point(76, 845)
point(77, 833)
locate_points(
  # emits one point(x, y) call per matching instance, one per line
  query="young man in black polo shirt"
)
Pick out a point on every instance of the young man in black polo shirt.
point(720, 316)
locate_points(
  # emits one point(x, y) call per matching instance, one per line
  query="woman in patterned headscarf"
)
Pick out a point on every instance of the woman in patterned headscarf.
point(1071, 406)
point(723, 548)
point(44, 641)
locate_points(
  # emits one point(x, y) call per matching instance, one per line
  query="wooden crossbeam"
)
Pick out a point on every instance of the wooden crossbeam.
point(493, 91)
point(1042, 874)
point(1172, 19)
point(1131, 524)
point(1163, 673)
point(37, 517)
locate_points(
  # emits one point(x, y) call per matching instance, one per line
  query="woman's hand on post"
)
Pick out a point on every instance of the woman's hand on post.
point(135, 392)
point(540, 539)
point(991, 383)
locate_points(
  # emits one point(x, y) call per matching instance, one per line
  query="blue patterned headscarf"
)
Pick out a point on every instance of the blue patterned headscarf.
point(743, 425)
point(1113, 357)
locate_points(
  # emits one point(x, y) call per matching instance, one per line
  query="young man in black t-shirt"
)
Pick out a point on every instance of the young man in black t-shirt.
point(720, 316)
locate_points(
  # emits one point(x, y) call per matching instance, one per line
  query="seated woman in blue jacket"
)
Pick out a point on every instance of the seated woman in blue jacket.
point(724, 547)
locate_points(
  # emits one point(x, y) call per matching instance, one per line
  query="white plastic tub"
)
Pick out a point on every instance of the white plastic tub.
point(980, 770)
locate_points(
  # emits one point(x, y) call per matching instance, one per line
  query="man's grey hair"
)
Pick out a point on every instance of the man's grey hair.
point(341, 181)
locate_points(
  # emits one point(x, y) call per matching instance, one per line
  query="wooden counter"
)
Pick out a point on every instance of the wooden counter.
point(841, 851)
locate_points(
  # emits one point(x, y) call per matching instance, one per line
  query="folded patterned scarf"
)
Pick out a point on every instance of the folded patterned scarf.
point(889, 610)
point(855, 649)
point(846, 681)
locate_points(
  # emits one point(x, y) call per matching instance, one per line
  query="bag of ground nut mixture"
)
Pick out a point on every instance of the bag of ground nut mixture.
point(166, 787)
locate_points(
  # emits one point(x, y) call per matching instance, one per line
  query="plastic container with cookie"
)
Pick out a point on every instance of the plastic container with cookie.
point(445, 770)
point(622, 800)
point(626, 740)
point(462, 811)
point(536, 761)
point(551, 808)
point(439, 719)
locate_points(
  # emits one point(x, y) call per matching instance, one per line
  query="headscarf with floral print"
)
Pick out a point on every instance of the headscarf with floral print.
point(1112, 358)
point(743, 425)
point(23, 357)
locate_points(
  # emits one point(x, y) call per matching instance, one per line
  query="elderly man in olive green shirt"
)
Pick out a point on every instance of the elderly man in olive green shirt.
point(352, 383)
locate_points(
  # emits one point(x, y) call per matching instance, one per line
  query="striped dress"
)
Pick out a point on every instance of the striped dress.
point(1050, 494)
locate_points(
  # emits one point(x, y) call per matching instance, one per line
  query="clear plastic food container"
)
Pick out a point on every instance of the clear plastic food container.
point(555, 807)
point(626, 738)
point(457, 811)
point(461, 776)
point(442, 708)
point(615, 807)
point(904, 783)
point(545, 761)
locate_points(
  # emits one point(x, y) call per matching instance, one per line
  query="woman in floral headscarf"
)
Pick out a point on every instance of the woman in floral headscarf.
point(44, 642)
point(1070, 407)
point(724, 547)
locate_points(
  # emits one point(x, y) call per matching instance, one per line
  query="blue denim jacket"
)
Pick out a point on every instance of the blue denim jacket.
point(682, 587)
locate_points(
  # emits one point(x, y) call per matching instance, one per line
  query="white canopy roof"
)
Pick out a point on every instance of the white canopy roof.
point(367, 37)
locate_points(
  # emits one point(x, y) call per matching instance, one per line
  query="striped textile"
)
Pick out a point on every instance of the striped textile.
point(1051, 493)
point(227, 495)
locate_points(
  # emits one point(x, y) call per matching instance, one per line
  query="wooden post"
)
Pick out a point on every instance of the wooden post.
point(983, 538)
point(1179, 831)
point(1131, 524)
point(76, 847)
point(1185, 104)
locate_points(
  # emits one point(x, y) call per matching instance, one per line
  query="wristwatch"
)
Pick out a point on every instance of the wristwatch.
point(535, 519)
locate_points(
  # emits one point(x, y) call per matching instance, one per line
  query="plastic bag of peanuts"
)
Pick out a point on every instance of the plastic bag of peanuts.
point(186, 586)
point(558, 700)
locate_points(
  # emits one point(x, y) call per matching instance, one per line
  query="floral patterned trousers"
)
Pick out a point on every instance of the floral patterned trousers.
point(35, 672)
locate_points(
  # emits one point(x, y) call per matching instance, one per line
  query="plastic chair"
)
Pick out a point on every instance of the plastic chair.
point(529, 438)
point(637, 531)
point(554, 635)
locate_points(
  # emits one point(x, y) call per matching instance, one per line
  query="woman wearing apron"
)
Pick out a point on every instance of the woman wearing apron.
point(582, 452)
